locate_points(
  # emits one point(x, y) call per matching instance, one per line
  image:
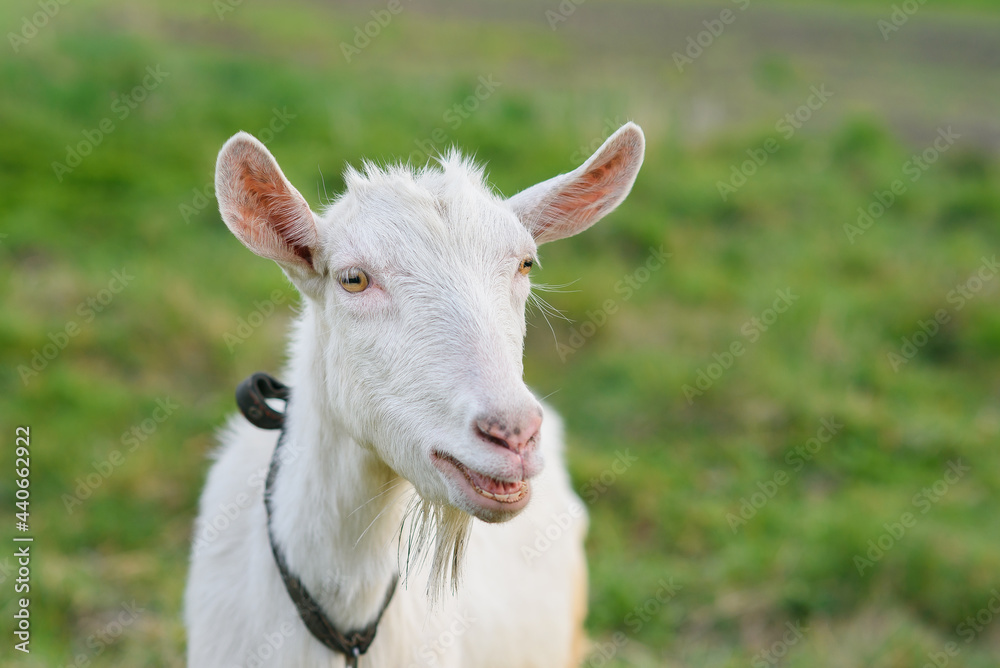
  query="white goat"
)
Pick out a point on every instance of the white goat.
point(408, 420)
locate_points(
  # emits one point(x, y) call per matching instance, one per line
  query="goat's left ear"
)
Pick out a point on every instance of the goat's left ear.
point(262, 208)
point(570, 203)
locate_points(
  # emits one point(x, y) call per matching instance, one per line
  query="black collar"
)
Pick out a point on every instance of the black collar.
point(251, 398)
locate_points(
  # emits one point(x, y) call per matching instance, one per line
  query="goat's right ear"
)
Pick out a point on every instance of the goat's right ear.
point(262, 208)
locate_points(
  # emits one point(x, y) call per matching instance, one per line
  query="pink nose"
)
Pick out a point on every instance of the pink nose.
point(520, 436)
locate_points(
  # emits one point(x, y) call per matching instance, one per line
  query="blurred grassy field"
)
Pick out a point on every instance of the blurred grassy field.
point(675, 568)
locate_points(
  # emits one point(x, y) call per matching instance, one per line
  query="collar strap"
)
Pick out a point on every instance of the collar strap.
point(251, 396)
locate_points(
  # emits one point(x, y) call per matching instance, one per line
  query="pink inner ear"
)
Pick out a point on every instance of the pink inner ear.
point(588, 198)
point(270, 198)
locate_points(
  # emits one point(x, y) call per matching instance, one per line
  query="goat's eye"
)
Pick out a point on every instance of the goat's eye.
point(526, 265)
point(354, 280)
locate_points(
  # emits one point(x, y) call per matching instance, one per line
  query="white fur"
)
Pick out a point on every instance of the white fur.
point(381, 379)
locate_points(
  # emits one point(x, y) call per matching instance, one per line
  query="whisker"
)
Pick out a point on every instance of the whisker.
point(396, 483)
point(372, 523)
point(555, 287)
point(550, 394)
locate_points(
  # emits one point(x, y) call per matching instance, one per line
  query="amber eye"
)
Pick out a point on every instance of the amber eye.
point(354, 280)
point(526, 265)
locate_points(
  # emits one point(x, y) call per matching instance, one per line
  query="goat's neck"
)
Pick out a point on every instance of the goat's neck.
point(336, 508)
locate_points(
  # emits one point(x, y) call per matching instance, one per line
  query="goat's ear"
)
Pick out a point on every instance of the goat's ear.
point(261, 207)
point(570, 203)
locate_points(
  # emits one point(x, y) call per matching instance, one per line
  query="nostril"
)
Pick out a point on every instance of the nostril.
point(490, 435)
point(516, 438)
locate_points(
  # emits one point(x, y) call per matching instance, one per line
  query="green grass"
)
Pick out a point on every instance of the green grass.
point(136, 203)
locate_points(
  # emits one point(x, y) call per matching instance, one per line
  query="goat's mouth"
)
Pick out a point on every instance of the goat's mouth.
point(493, 500)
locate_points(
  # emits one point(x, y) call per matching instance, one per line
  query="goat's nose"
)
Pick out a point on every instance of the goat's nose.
point(519, 436)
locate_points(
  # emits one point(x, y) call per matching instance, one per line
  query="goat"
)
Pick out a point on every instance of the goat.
point(408, 421)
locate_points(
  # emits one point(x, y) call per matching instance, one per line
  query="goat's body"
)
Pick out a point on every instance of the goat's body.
point(520, 604)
